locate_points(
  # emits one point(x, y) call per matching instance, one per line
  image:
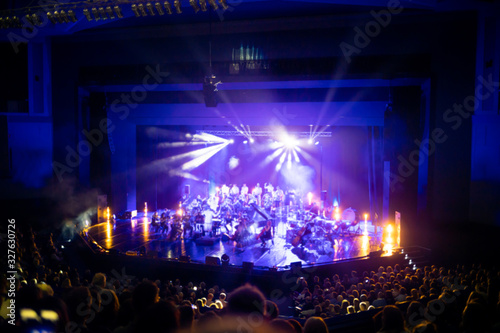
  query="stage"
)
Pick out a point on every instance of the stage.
point(137, 236)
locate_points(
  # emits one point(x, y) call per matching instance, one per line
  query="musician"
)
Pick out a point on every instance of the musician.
point(266, 234)
point(155, 221)
point(241, 233)
point(225, 191)
point(228, 220)
point(200, 220)
point(235, 191)
point(244, 190)
point(269, 188)
point(278, 196)
point(208, 215)
point(257, 193)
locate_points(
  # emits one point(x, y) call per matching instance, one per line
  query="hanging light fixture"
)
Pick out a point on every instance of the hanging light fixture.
point(177, 5)
point(159, 9)
point(203, 5)
point(223, 4)
point(168, 7)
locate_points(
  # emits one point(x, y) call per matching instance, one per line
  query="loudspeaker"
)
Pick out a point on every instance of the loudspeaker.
point(323, 195)
point(295, 266)
point(187, 190)
point(214, 261)
point(210, 92)
point(247, 266)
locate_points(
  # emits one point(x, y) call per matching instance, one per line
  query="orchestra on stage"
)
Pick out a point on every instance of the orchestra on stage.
point(248, 217)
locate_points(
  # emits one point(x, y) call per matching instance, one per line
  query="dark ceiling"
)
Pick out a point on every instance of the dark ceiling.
point(238, 10)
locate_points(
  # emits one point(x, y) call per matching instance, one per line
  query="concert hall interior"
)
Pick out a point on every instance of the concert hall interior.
point(235, 141)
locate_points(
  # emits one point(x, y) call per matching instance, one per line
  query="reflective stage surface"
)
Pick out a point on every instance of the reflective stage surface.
point(318, 242)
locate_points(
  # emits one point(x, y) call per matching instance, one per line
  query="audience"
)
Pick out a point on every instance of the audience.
point(442, 299)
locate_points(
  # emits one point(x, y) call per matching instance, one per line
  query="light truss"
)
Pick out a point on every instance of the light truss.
point(228, 134)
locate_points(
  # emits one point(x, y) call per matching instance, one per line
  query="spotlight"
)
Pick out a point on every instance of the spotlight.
point(252, 140)
point(2, 23)
point(177, 5)
point(310, 141)
point(96, 14)
point(149, 6)
point(102, 13)
point(142, 10)
point(49, 16)
point(245, 142)
point(58, 17)
point(135, 10)
point(203, 5)
point(223, 4)
point(27, 18)
point(231, 141)
point(194, 5)
point(159, 9)
point(86, 13)
point(118, 11)
point(316, 143)
point(71, 15)
point(16, 23)
point(110, 13)
point(213, 4)
point(64, 16)
point(168, 8)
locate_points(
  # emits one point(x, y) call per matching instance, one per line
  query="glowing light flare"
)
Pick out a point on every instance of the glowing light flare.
point(309, 198)
point(146, 209)
point(209, 152)
point(296, 157)
point(289, 161)
point(389, 240)
point(107, 213)
point(366, 225)
point(337, 213)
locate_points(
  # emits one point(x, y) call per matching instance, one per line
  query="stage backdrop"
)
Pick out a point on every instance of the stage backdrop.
point(171, 157)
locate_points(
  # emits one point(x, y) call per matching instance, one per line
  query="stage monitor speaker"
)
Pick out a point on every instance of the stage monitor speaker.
point(213, 261)
point(296, 266)
point(247, 266)
point(184, 259)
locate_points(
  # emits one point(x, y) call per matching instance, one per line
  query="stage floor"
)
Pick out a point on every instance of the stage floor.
point(137, 233)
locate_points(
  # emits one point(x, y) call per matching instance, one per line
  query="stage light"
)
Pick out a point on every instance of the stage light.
point(231, 141)
point(290, 142)
point(223, 4)
point(57, 17)
point(203, 5)
point(149, 6)
point(86, 13)
point(159, 9)
point(64, 16)
point(213, 4)
point(195, 6)
point(102, 13)
point(252, 140)
point(110, 13)
point(316, 143)
point(71, 15)
point(245, 142)
point(49, 16)
point(118, 11)
point(142, 10)
point(310, 141)
point(177, 5)
point(95, 13)
point(168, 7)
point(135, 10)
